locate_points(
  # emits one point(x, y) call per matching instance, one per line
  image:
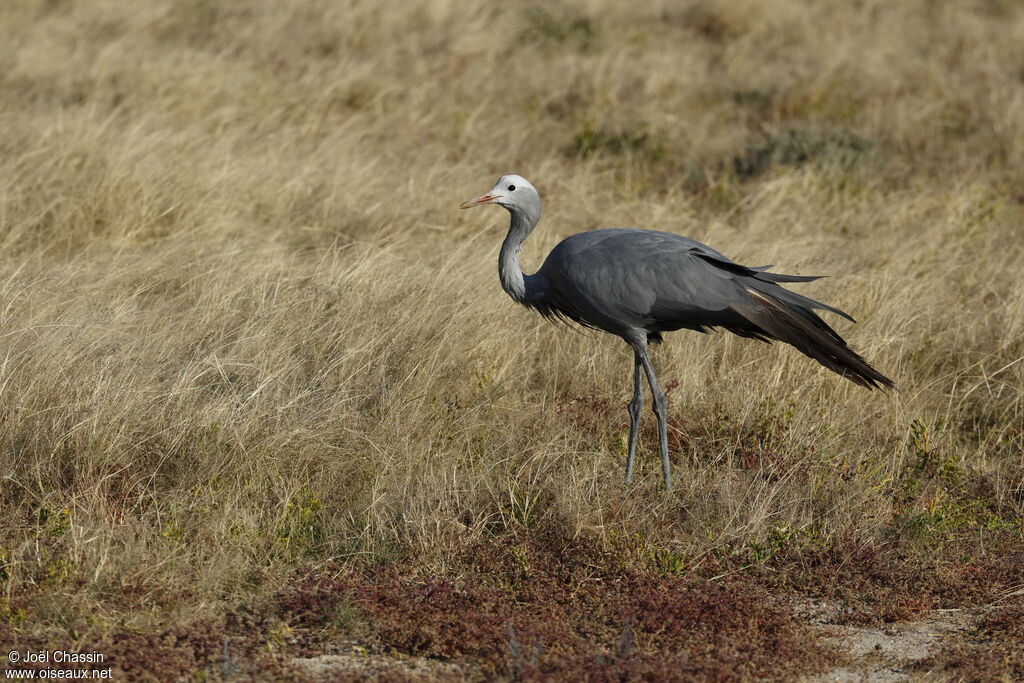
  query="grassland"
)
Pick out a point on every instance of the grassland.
point(262, 394)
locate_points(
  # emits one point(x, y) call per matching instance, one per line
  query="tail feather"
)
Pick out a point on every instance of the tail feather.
point(788, 319)
point(803, 303)
point(762, 274)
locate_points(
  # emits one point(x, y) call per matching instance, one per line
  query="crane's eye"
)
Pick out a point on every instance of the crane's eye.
point(511, 188)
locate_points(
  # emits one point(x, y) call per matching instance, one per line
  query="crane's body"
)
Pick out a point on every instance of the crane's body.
point(637, 284)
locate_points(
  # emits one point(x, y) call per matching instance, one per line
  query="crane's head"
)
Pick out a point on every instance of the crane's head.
point(514, 192)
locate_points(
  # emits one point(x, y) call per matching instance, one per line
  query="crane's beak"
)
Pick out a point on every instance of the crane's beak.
point(488, 198)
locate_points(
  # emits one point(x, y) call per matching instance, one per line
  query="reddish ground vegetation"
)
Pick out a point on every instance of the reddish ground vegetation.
point(541, 604)
point(877, 582)
point(178, 652)
point(994, 651)
point(534, 610)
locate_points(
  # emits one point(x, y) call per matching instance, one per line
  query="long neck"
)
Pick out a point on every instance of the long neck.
point(509, 272)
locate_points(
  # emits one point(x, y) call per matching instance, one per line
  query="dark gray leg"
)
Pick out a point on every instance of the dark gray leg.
point(636, 404)
point(658, 399)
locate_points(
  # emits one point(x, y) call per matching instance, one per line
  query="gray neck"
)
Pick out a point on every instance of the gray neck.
point(509, 272)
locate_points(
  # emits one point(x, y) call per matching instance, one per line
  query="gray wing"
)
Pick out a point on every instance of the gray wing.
point(621, 280)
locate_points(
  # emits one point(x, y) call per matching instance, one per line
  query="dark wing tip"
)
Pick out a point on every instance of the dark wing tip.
point(779, 277)
point(774, 318)
point(871, 379)
point(841, 312)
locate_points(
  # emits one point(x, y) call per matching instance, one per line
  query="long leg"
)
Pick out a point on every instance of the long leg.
point(636, 404)
point(658, 399)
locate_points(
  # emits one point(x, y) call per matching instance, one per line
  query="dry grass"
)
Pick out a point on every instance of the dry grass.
point(245, 329)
